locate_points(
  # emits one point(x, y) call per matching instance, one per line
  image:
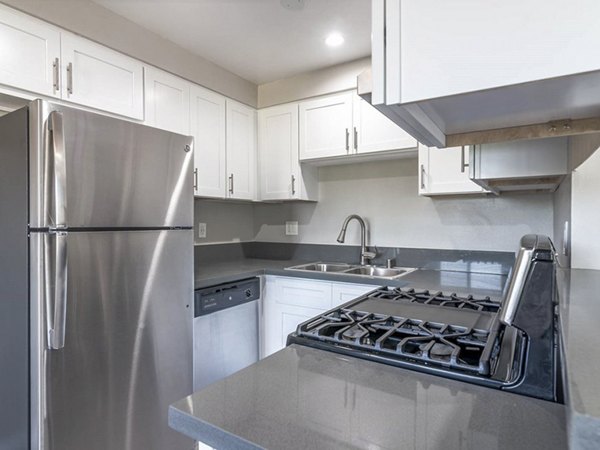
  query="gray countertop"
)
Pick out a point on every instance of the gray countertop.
point(580, 318)
point(249, 417)
point(303, 398)
point(483, 279)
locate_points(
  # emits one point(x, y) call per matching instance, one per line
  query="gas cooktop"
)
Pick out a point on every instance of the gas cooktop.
point(506, 345)
point(414, 327)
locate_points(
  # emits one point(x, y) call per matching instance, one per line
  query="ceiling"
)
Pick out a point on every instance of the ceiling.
point(259, 40)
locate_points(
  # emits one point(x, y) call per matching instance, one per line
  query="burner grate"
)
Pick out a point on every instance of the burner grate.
point(422, 341)
point(434, 298)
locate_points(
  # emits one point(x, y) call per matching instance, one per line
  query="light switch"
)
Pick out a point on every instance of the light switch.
point(291, 228)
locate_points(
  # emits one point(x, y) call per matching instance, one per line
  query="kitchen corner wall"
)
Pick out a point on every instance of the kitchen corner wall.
point(385, 194)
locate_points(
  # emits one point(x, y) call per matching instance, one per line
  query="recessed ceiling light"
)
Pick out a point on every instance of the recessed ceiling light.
point(334, 39)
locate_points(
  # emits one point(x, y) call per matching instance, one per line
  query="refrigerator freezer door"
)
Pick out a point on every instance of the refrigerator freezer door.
point(119, 174)
point(127, 351)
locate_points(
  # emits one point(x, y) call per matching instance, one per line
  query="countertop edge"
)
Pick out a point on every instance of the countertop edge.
point(199, 430)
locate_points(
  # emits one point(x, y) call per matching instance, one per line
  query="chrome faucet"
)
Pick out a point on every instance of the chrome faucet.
point(365, 256)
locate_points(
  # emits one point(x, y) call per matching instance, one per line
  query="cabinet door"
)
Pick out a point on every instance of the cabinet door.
point(444, 171)
point(325, 127)
point(100, 78)
point(344, 292)
point(374, 132)
point(241, 151)
point(278, 152)
point(30, 55)
point(207, 119)
point(288, 302)
point(167, 101)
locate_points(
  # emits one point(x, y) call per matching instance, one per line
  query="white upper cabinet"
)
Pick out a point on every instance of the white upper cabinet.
point(98, 77)
point(374, 132)
point(167, 101)
point(30, 53)
point(280, 173)
point(241, 151)
point(451, 68)
point(445, 171)
point(207, 119)
point(325, 126)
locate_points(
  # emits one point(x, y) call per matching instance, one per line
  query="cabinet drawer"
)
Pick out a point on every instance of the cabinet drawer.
point(303, 292)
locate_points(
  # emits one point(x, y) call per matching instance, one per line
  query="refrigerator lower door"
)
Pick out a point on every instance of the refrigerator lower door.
point(94, 171)
point(127, 351)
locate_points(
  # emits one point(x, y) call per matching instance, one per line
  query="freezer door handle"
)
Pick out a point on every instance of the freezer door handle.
point(55, 274)
point(56, 172)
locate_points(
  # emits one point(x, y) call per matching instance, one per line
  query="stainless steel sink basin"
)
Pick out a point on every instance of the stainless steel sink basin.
point(349, 269)
point(323, 267)
point(384, 272)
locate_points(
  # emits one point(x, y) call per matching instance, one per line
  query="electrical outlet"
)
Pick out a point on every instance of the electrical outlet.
point(291, 228)
point(201, 230)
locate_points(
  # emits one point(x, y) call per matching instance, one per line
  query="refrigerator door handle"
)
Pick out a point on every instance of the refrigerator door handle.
point(55, 274)
point(57, 163)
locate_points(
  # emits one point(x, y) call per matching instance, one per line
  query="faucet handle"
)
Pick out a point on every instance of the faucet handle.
point(369, 255)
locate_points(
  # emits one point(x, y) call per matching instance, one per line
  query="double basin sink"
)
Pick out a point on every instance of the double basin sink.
point(360, 270)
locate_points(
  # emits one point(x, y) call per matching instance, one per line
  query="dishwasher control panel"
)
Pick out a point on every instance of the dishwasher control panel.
point(216, 298)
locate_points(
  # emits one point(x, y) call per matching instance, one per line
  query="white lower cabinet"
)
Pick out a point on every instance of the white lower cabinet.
point(445, 171)
point(287, 302)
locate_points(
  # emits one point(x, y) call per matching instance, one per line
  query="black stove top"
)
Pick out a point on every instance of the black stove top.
point(426, 297)
point(417, 326)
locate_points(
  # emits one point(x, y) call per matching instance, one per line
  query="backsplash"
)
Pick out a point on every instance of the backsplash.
point(385, 194)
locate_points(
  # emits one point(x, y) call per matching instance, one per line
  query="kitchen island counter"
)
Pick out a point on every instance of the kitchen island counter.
point(304, 398)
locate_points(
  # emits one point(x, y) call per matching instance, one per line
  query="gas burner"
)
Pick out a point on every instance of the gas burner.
point(395, 336)
point(434, 298)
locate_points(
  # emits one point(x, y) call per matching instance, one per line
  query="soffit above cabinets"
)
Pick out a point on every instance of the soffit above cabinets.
point(259, 40)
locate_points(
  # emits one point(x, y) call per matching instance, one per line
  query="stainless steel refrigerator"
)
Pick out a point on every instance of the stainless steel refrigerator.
point(96, 281)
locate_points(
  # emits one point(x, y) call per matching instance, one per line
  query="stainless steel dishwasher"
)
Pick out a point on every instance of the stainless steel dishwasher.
point(225, 330)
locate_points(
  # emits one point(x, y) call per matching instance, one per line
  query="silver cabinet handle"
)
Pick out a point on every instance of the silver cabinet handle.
point(70, 78)
point(355, 139)
point(293, 185)
point(422, 176)
point(463, 163)
point(55, 75)
point(347, 140)
point(231, 184)
point(55, 273)
point(56, 172)
point(195, 179)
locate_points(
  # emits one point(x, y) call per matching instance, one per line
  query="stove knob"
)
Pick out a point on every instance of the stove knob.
point(248, 293)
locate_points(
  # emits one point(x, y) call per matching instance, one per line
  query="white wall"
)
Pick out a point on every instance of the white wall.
point(311, 84)
point(101, 25)
point(585, 207)
point(385, 193)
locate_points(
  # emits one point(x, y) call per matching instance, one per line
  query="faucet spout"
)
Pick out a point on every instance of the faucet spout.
point(364, 254)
